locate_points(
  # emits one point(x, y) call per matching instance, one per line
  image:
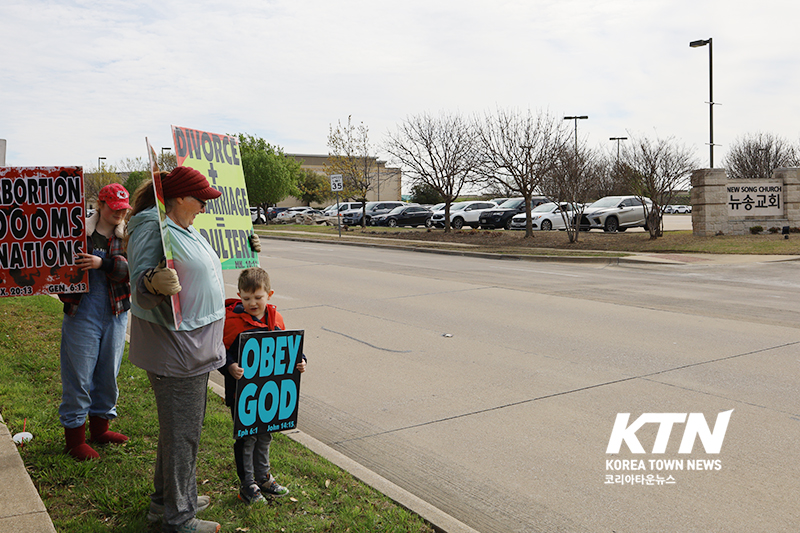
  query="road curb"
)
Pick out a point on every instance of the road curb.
point(441, 521)
point(465, 253)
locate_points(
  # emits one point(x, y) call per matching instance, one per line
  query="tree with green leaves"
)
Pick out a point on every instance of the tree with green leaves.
point(96, 180)
point(422, 193)
point(314, 187)
point(135, 179)
point(269, 175)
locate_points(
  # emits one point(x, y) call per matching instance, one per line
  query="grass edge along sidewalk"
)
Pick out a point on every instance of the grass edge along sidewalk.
point(112, 494)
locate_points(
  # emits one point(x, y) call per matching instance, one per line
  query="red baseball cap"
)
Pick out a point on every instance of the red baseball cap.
point(114, 196)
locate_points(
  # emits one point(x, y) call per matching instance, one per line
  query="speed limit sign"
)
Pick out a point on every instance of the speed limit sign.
point(337, 183)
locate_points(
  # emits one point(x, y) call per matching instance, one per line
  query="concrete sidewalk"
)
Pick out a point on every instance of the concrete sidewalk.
point(21, 508)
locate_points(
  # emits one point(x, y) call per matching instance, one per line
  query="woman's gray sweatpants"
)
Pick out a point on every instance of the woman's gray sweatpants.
point(181, 404)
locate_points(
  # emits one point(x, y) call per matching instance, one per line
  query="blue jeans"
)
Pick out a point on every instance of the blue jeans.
point(92, 344)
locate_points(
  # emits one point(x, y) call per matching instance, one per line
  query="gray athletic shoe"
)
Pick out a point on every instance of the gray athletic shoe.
point(270, 487)
point(251, 494)
point(157, 510)
point(198, 526)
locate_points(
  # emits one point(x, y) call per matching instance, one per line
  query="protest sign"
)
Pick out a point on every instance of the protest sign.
point(42, 228)
point(267, 395)
point(155, 173)
point(226, 224)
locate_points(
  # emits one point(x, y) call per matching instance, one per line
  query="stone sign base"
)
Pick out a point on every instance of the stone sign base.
point(716, 210)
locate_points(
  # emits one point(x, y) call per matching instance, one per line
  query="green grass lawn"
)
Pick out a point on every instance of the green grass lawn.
point(112, 494)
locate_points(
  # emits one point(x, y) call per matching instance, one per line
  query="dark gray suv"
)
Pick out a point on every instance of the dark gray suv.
point(352, 217)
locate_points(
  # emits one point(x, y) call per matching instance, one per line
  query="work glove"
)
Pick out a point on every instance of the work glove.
point(255, 243)
point(162, 280)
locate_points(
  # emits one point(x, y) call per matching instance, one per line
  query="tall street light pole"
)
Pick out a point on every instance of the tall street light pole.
point(576, 119)
point(698, 44)
point(618, 139)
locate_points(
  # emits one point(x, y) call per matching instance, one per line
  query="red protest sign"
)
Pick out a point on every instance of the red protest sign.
point(42, 228)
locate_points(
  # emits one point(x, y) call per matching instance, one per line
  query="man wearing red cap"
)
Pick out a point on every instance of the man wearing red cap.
point(93, 330)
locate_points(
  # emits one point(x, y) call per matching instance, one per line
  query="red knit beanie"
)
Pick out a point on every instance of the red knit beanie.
point(185, 181)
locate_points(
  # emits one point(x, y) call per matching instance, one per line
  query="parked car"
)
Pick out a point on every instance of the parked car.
point(545, 217)
point(681, 209)
point(502, 215)
point(615, 213)
point(352, 217)
point(342, 207)
point(311, 216)
point(257, 215)
point(273, 212)
point(462, 213)
point(404, 215)
point(291, 212)
point(668, 209)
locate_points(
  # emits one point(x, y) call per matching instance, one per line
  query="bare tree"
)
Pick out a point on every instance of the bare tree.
point(656, 169)
point(573, 182)
point(351, 155)
point(136, 164)
point(438, 151)
point(519, 150)
point(756, 156)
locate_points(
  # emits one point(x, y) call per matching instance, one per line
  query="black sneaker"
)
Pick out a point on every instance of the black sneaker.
point(270, 487)
point(251, 494)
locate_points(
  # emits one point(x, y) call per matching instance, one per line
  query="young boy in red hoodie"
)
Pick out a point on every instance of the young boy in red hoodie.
point(252, 311)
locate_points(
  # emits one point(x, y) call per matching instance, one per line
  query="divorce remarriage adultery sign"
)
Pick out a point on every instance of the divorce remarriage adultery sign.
point(267, 394)
point(42, 228)
point(226, 223)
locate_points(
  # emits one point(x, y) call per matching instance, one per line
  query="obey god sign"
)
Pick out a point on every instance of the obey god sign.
point(267, 394)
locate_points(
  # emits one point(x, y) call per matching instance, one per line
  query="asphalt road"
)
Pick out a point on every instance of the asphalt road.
point(490, 388)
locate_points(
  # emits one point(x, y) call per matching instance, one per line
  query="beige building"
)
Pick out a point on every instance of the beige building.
point(388, 179)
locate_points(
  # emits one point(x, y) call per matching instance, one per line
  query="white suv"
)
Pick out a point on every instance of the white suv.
point(462, 213)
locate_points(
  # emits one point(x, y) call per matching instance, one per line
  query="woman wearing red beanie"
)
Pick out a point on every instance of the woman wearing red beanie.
point(177, 361)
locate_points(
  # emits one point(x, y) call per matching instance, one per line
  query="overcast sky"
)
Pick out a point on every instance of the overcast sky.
point(86, 79)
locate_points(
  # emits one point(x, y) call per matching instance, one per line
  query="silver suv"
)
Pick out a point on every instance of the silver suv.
point(616, 213)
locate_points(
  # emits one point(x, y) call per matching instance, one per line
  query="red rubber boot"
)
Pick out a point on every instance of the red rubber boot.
point(98, 429)
point(76, 444)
